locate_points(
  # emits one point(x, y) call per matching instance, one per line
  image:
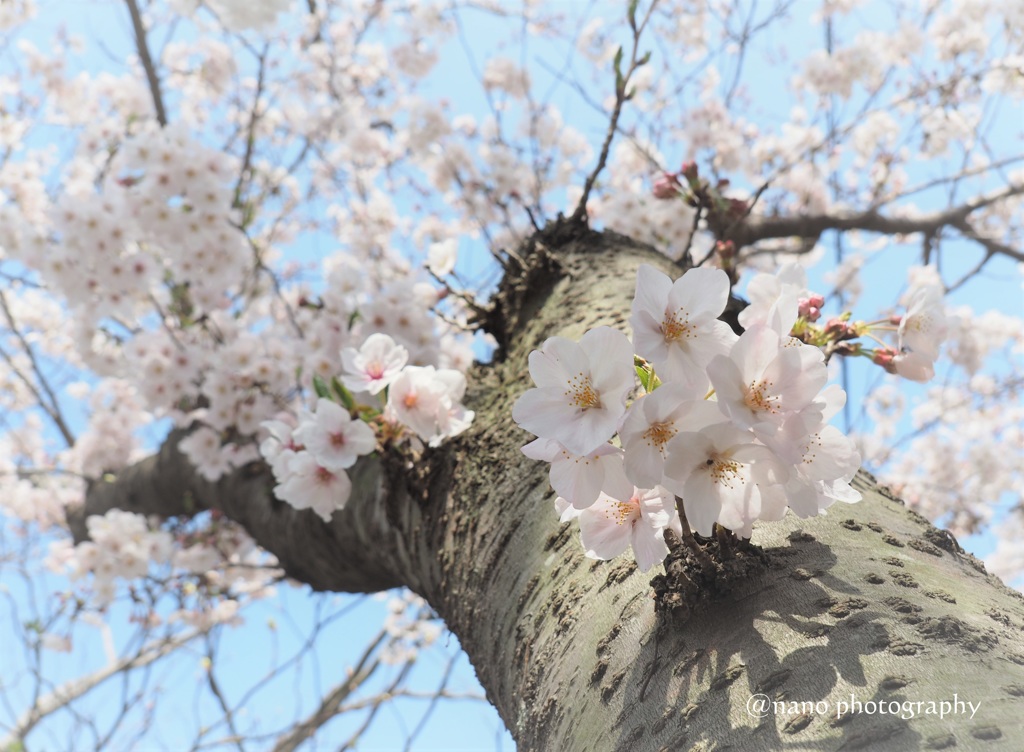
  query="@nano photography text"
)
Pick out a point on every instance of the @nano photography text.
point(761, 705)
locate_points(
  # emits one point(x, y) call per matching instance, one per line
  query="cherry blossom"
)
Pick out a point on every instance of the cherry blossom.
point(312, 486)
point(923, 327)
point(333, 438)
point(441, 257)
point(721, 473)
point(427, 400)
point(775, 299)
point(638, 521)
point(376, 364)
point(581, 389)
point(675, 324)
point(580, 480)
point(653, 421)
point(764, 379)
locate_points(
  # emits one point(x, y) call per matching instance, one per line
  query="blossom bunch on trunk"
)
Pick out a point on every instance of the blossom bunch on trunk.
point(734, 427)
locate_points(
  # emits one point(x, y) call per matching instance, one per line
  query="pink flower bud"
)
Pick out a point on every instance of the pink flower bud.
point(884, 358)
point(838, 330)
point(810, 307)
point(895, 319)
point(667, 186)
point(689, 171)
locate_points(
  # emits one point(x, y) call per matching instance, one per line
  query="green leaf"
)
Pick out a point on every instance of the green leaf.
point(343, 394)
point(645, 378)
point(619, 81)
point(644, 60)
point(320, 387)
point(631, 13)
point(645, 371)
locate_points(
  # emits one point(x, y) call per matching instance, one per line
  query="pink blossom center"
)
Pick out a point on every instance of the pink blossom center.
point(337, 440)
point(324, 476)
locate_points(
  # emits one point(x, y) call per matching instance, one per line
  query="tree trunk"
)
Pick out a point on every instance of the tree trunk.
point(869, 604)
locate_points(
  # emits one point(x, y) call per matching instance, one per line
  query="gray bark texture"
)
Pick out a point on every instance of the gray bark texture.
point(870, 603)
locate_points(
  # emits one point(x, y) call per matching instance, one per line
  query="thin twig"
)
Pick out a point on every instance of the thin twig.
point(147, 62)
point(621, 96)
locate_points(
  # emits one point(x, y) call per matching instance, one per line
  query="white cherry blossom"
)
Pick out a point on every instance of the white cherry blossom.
point(774, 299)
point(611, 525)
point(312, 486)
point(765, 378)
point(376, 364)
point(675, 324)
point(654, 420)
point(428, 401)
point(581, 389)
point(581, 479)
point(333, 438)
point(713, 471)
point(923, 328)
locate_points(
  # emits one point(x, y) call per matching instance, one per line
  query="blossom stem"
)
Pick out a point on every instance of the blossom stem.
point(707, 564)
point(876, 339)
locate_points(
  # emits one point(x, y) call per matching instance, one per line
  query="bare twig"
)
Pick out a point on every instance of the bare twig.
point(621, 96)
point(66, 693)
point(330, 706)
point(147, 62)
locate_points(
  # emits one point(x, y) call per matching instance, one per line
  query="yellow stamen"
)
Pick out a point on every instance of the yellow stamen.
point(581, 392)
point(759, 398)
point(659, 434)
point(725, 472)
point(675, 328)
point(623, 512)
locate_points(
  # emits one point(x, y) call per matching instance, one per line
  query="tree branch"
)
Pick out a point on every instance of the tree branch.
point(72, 690)
point(331, 704)
point(339, 556)
point(813, 225)
point(147, 62)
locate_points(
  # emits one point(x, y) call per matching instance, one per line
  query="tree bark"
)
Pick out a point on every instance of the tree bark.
point(870, 601)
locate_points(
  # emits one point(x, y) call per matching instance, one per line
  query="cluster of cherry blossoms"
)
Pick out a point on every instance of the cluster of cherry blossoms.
point(735, 426)
point(124, 546)
point(309, 455)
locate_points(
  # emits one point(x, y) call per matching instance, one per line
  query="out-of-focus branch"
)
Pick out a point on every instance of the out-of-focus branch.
point(147, 62)
point(358, 551)
point(72, 690)
point(621, 96)
point(331, 705)
point(990, 244)
point(813, 225)
point(50, 405)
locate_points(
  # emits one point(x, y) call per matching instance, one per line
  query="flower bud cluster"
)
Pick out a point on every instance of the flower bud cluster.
point(920, 332)
point(735, 426)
